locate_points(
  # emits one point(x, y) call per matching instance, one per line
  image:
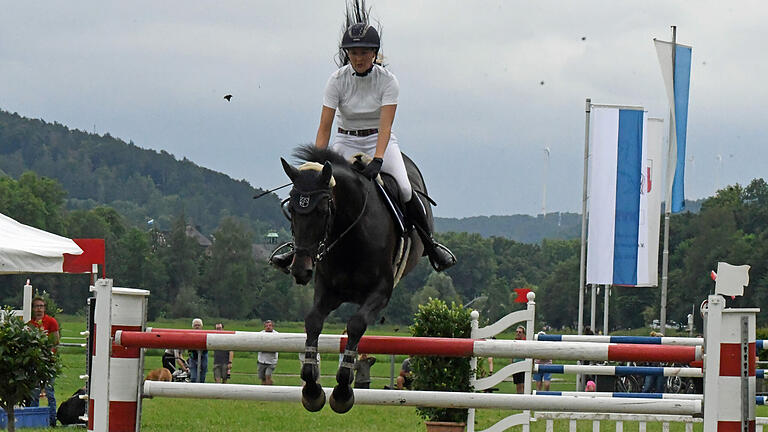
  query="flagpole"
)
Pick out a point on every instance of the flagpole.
point(667, 203)
point(583, 257)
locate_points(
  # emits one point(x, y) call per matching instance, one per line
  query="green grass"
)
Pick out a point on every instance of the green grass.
point(164, 415)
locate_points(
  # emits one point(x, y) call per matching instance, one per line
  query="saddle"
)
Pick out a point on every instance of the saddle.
point(387, 187)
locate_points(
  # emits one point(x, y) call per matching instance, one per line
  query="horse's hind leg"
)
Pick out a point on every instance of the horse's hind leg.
point(343, 397)
point(312, 394)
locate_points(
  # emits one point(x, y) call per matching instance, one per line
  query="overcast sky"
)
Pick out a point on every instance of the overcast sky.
point(485, 86)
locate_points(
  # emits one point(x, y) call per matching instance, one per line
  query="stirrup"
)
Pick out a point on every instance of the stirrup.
point(275, 258)
point(441, 257)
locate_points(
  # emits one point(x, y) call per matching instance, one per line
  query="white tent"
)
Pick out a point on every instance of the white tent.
point(24, 249)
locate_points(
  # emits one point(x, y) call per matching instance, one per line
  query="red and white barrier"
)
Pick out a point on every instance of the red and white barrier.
point(114, 404)
point(448, 347)
point(729, 367)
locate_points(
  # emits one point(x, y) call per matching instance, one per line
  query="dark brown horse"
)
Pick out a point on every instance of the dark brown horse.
point(343, 232)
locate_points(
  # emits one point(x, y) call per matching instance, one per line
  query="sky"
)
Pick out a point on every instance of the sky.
point(485, 86)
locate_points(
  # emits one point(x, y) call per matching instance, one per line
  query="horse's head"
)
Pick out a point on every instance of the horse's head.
point(311, 211)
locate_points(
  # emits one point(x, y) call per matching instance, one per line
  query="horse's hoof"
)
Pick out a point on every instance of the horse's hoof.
point(313, 397)
point(342, 399)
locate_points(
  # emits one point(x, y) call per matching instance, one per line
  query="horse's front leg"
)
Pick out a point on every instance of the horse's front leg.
point(312, 394)
point(343, 397)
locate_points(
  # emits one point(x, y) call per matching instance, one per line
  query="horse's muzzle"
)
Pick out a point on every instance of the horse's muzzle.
point(301, 269)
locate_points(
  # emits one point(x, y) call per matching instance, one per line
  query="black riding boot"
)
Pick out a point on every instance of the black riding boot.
point(439, 256)
point(282, 261)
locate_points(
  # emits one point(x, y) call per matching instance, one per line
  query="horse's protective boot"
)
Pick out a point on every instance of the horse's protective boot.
point(282, 261)
point(440, 256)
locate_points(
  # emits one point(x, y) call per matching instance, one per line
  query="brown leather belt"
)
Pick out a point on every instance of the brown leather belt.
point(359, 133)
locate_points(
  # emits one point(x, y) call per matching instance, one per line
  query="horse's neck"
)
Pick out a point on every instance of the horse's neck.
point(349, 196)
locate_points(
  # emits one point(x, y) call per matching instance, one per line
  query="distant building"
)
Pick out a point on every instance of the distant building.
point(271, 238)
point(196, 235)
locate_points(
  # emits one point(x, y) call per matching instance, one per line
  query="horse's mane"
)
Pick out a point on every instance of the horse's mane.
point(310, 153)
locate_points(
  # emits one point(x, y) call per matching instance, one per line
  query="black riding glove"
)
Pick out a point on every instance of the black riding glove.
point(373, 168)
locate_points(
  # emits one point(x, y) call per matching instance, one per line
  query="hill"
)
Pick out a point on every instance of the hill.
point(521, 228)
point(141, 184)
point(528, 229)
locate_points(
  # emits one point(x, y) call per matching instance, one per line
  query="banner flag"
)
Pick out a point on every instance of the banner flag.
point(650, 197)
point(677, 79)
point(624, 205)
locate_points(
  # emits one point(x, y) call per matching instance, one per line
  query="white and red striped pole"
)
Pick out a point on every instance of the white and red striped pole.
point(446, 347)
point(115, 399)
point(729, 367)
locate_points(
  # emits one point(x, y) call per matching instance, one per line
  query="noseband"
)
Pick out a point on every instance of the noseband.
point(304, 203)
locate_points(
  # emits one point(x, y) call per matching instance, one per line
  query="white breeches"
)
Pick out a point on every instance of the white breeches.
point(393, 165)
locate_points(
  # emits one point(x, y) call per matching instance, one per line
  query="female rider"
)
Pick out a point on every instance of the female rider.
point(365, 95)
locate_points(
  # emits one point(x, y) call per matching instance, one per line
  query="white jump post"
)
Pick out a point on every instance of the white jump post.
point(527, 315)
point(115, 401)
point(729, 362)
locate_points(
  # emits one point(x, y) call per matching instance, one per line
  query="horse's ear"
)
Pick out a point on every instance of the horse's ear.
point(290, 170)
point(325, 176)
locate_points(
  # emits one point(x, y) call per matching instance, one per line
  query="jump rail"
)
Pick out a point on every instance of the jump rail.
point(427, 398)
point(449, 347)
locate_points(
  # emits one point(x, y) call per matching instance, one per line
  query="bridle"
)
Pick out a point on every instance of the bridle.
point(306, 203)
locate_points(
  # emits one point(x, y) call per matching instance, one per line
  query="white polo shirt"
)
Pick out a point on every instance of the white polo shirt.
point(358, 100)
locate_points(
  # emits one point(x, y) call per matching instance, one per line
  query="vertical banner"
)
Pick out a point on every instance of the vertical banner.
point(622, 199)
point(650, 201)
point(677, 79)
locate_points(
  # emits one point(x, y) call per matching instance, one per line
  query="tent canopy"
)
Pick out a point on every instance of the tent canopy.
point(24, 249)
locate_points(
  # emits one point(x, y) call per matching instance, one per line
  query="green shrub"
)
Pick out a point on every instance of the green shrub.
point(26, 361)
point(437, 319)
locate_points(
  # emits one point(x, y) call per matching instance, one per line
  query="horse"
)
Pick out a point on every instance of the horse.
point(343, 233)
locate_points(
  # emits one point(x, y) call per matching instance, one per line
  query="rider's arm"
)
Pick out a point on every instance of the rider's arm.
point(324, 130)
point(385, 129)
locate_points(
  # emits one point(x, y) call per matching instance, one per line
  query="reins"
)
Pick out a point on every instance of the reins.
point(322, 250)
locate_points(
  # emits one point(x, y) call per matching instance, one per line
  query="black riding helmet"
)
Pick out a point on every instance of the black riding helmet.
point(360, 35)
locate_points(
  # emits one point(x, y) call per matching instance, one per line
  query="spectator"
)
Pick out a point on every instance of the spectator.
point(267, 360)
point(405, 379)
point(591, 386)
point(341, 356)
point(198, 359)
point(654, 383)
point(50, 326)
point(362, 370)
point(173, 357)
point(519, 378)
point(542, 379)
point(222, 362)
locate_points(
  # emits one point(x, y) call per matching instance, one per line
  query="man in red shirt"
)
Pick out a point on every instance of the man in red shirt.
point(48, 324)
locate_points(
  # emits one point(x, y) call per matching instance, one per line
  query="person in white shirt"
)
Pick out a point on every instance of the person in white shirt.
point(267, 361)
point(362, 95)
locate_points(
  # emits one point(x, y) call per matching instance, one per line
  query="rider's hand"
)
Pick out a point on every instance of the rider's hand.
point(373, 168)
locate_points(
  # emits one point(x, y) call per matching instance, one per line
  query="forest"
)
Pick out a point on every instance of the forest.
point(142, 202)
point(224, 280)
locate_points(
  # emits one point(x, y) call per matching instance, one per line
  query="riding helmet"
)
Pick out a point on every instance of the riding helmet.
point(360, 35)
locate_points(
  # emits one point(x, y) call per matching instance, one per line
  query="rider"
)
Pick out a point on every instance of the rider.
point(365, 95)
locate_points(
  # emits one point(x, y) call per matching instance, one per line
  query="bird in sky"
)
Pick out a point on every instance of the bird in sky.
point(228, 97)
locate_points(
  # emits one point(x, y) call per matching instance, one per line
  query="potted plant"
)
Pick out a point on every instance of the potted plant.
point(437, 319)
point(26, 360)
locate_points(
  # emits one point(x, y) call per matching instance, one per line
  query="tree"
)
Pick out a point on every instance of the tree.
point(230, 272)
point(26, 360)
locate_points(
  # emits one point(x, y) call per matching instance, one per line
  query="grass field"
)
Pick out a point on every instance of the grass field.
point(164, 415)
